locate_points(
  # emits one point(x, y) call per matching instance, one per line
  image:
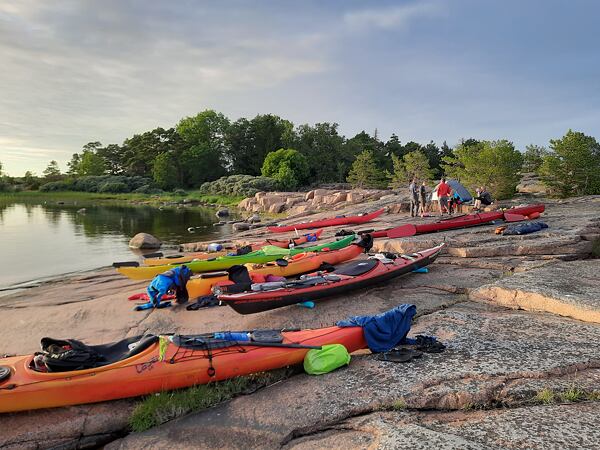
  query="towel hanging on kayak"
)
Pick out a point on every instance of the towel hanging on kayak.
point(386, 330)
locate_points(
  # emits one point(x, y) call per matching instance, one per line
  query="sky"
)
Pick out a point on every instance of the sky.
point(75, 71)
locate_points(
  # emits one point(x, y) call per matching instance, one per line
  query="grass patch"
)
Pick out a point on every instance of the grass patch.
point(545, 397)
point(164, 406)
point(136, 198)
point(596, 248)
point(399, 405)
point(573, 394)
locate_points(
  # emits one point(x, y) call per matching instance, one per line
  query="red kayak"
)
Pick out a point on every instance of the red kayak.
point(468, 220)
point(346, 277)
point(331, 222)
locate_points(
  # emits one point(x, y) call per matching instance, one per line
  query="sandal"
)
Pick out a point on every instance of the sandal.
point(399, 355)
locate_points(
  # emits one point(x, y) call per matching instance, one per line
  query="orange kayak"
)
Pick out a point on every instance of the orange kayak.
point(303, 263)
point(187, 257)
point(184, 361)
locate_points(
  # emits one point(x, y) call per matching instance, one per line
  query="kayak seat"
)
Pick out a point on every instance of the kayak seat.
point(126, 348)
point(355, 268)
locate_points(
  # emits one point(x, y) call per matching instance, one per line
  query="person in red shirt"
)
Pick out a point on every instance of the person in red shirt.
point(443, 192)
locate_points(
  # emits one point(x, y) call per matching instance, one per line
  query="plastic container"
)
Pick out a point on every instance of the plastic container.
point(214, 247)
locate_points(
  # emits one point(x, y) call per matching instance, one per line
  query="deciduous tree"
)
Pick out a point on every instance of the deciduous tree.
point(494, 164)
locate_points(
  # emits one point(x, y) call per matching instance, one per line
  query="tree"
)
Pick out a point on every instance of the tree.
point(393, 147)
point(249, 141)
point(363, 141)
point(573, 165)
point(328, 157)
point(494, 164)
point(112, 155)
point(164, 171)
point(365, 173)
point(203, 159)
point(289, 167)
point(413, 164)
point(73, 165)
point(138, 152)
point(533, 158)
point(434, 156)
point(52, 172)
point(91, 163)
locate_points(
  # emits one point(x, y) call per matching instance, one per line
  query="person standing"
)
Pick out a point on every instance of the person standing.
point(413, 192)
point(443, 192)
point(422, 198)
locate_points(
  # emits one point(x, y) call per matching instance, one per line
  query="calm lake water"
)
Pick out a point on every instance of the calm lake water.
point(40, 241)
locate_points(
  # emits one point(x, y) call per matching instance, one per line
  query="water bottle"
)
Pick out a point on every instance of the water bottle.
point(232, 336)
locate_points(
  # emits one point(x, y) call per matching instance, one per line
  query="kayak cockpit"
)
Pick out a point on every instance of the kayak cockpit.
point(72, 355)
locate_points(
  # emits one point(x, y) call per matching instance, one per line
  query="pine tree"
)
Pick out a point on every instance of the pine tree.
point(365, 173)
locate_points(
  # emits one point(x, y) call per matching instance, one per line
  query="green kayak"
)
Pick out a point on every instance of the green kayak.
point(266, 254)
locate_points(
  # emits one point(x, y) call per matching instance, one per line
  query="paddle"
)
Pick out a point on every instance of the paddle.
point(402, 231)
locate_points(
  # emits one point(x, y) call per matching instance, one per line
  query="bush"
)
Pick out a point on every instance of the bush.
point(114, 188)
point(55, 186)
point(239, 185)
point(289, 167)
point(180, 192)
point(147, 189)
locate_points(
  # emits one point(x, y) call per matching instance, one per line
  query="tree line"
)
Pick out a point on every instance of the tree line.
point(208, 146)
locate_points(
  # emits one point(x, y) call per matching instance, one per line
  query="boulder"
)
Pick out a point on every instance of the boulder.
point(269, 200)
point(291, 201)
point(309, 195)
point(223, 212)
point(299, 209)
point(241, 226)
point(247, 203)
point(253, 218)
point(354, 197)
point(144, 240)
point(334, 199)
point(277, 207)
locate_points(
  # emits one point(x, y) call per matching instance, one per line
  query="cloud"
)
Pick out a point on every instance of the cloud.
point(75, 71)
point(395, 17)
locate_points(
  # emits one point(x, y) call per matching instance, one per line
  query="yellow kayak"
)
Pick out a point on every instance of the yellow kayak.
point(266, 254)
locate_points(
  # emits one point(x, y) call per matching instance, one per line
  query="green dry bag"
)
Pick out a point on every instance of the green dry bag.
point(329, 358)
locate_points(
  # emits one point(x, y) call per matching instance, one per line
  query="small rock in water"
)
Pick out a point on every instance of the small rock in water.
point(254, 218)
point(223, 212)
point(241, 226)
point(144, 240)
point(81, 211)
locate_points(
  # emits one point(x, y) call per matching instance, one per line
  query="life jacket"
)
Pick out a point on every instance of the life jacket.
point(179, 276)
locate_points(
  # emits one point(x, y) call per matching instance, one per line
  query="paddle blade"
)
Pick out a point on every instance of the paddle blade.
point(402, 231)
point(514, 217)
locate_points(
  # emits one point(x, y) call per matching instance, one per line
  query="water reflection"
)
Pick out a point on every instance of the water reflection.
point(43, 240)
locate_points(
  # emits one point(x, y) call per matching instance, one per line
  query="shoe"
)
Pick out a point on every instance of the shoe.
point(399, 355)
